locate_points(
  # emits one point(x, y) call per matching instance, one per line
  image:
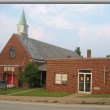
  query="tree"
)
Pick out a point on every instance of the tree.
point(78, 51)
point(21, 78)
point(30, 74)
point(107, 56)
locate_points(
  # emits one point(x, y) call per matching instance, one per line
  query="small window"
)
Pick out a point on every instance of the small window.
point(12, 52)
point(12, 69)
point(9, 68)
point(60, 78)
point(5, 68)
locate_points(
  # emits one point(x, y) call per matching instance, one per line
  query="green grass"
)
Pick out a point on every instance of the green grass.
point(42, 92)
point(13, 90)
point(96, 96)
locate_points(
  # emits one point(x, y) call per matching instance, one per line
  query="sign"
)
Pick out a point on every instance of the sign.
point(96, 88)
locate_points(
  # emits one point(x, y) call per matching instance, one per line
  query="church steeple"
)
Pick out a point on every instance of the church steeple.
point(22, 19)
point(22, 27)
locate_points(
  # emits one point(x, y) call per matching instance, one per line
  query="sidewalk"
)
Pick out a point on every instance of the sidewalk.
point(19, 92)
point(71, 99)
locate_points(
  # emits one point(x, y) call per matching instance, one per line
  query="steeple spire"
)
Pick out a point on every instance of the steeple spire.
point(22, 19)
point(22, 27)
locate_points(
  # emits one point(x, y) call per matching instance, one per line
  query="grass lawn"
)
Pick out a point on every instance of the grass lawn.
point(96, 96)
point(42, 92)
point(12, 90)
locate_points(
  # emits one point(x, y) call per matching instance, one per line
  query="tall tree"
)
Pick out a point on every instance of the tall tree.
point(107, 56)
point(78, 51)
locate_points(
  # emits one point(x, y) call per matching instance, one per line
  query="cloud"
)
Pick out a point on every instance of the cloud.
point(95, 37)
point(87, 7)
point(56, 15)
point(7, 28)
point(49, 16)
point(94, 31)
point(58, 22)
point(44, 19)
point(40, 34)
point(21, 6)
point(36, 33)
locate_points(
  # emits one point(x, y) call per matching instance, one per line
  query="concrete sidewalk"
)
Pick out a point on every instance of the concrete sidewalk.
point(20, 92)
point(70, 99)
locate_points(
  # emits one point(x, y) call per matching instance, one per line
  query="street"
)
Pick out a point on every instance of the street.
point(11, 105)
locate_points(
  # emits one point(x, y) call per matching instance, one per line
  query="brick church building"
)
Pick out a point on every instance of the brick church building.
point(61, 69)
point(21, 49)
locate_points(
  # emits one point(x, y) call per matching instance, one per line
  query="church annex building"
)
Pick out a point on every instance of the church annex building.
point(61, 69)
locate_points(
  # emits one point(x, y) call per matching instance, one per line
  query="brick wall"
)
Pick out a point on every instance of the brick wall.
point(71, 66)
point(62, 66)
point(5, 59)
point(21, 52)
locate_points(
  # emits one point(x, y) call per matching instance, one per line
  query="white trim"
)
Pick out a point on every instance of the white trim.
point(84, 69)
point(84, 81)
point(12, 79)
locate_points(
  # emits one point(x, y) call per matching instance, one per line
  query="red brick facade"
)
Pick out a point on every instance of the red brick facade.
point(17, 61)
point(100, 83)
point(71, 66)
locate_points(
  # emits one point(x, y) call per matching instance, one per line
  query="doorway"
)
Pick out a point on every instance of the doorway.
point(43, 78)
point(84, 82)
point(4, 76)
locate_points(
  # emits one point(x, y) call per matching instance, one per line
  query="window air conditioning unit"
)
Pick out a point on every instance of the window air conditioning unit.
point(64, 82)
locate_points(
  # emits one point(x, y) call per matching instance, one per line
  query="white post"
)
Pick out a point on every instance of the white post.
point(12, 79)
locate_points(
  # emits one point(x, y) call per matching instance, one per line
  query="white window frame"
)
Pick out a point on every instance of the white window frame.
point(5, 68)
point(12, 69)
point(84, 80)
point(9, 68)
point(62, 78)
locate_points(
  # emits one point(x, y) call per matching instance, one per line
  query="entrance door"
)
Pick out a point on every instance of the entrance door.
point(9, 78)
point(84, 82)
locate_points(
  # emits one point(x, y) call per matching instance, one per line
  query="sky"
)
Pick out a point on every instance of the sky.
point(66, 25)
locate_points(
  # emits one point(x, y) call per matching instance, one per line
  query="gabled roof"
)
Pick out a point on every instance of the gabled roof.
point(22, 19)
point(43, 51)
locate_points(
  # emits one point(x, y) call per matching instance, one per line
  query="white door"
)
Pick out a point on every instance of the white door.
point(84, 82)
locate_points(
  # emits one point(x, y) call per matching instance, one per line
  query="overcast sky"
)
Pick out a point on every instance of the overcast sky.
point(66, 25)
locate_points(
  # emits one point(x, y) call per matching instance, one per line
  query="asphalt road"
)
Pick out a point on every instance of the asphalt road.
point(9, 105)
